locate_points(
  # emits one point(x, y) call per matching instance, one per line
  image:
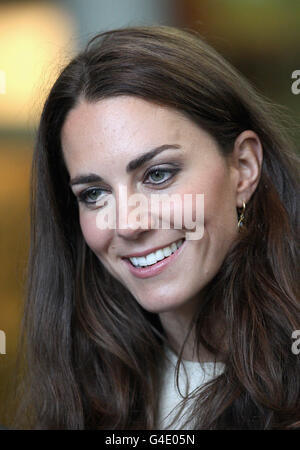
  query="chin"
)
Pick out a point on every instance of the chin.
point(159, 303)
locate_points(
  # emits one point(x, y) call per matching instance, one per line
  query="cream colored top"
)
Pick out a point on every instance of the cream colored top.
point(191, 376)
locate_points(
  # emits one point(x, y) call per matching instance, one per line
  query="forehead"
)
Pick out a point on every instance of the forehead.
point(120, 128)
point(112, 118)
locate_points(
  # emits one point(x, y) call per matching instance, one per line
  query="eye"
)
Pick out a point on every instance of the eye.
point(159, 176)
point(91, 195)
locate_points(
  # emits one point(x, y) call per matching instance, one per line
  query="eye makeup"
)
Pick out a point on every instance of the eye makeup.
point(155, 176)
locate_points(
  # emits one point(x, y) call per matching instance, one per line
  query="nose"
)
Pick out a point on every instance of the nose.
point(133, 216)
point(129, 233)
point(133, 224)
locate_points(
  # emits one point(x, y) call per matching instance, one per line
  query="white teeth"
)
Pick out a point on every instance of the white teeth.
point(134, 260)
point(152, 258)
point(173, 247)
point(179, 243)
point(167, 251)
point(142, 261)
point(159, 254)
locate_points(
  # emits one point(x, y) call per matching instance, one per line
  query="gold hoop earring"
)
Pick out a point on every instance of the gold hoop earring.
point(242, 217)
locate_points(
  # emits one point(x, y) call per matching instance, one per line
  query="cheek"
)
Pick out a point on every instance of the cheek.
point(95, 238)
point(219, 199)
point(207, 197)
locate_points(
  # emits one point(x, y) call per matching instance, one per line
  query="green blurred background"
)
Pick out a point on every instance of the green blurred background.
point(260, 37)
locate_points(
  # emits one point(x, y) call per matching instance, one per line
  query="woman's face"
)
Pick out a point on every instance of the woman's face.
point(100, 140)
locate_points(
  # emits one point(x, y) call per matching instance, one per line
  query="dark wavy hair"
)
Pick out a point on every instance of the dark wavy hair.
point(91, 352)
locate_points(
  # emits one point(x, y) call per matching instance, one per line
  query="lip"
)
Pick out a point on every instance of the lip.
point(150, 250)
point(155, 269)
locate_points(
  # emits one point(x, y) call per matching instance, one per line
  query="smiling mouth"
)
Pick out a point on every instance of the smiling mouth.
point(155, 257)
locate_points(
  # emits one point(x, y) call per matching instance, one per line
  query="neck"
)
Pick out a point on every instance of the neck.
point(177, 325)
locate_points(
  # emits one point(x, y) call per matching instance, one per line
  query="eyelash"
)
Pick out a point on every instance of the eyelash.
point(172, 171)
point(82, 196)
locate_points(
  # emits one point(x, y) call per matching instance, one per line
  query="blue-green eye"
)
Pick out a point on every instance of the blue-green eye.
point(159, 176)
point(91, 195)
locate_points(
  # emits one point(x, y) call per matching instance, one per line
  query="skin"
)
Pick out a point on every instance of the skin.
point(102, 138)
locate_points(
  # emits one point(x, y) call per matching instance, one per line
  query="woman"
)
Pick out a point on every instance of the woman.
point(153, 111)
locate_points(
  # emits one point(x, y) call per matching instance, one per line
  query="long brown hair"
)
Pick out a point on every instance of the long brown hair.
point(92, 352)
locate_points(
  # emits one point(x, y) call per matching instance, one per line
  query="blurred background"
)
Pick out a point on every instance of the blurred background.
point(259, 37)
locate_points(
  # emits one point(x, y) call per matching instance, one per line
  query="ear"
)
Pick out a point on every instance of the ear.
point(247, 157)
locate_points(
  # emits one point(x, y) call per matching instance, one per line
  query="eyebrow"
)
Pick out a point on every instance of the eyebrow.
point(131, 166)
